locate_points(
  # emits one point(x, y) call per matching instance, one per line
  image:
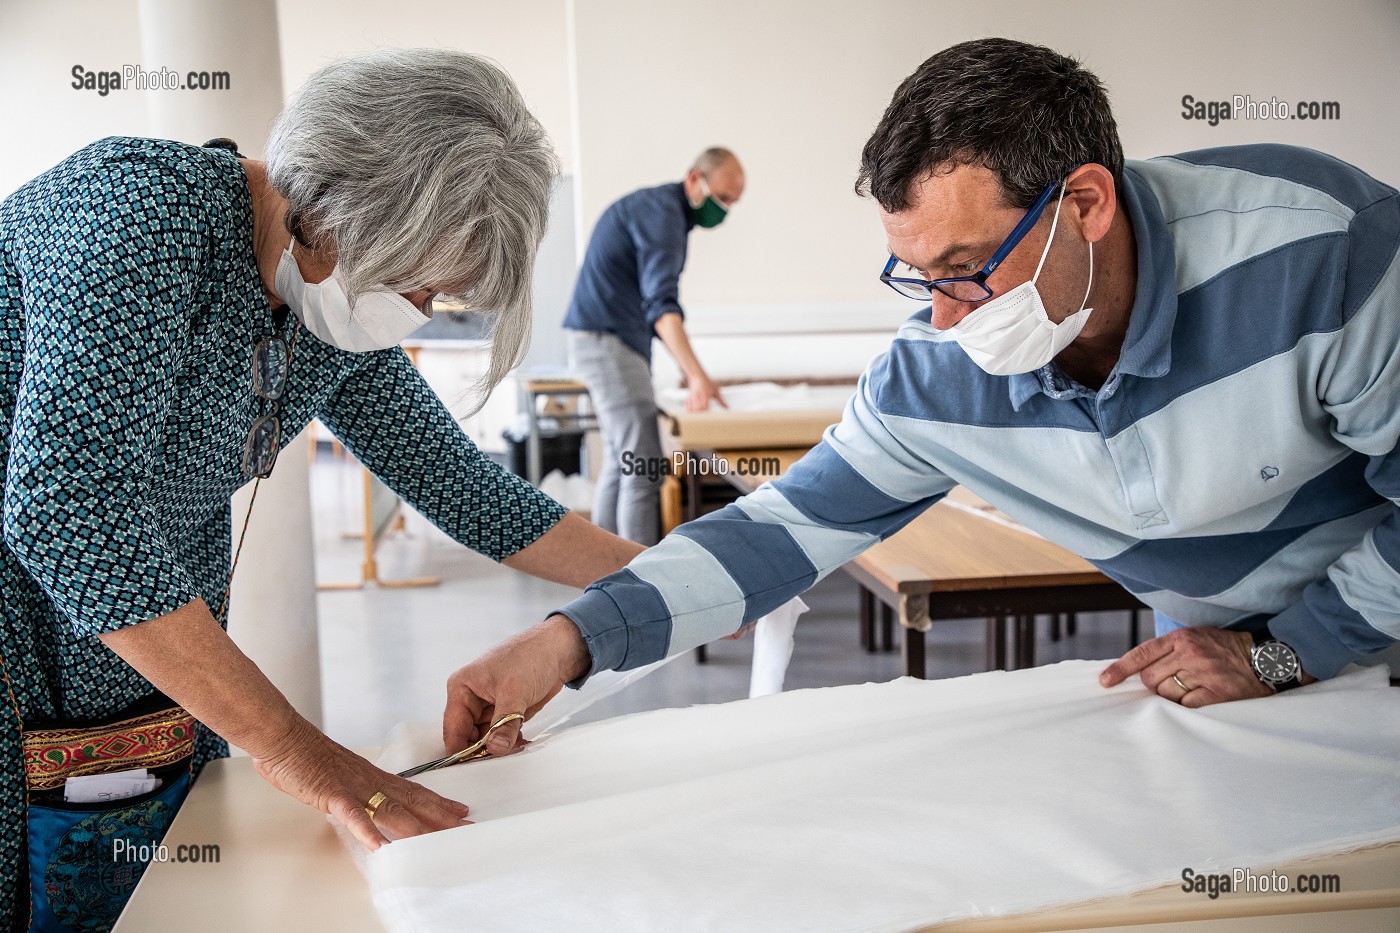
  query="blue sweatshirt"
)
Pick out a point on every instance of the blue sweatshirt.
point(631, 272)
point(1239, 460)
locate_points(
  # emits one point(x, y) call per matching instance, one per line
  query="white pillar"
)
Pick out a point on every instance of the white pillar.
point(272, 610)
point(239, 39)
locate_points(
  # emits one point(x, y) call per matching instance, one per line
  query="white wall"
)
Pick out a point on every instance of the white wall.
point(526, 37)
point(796, 87)
point(42, 118)
point(630, 90)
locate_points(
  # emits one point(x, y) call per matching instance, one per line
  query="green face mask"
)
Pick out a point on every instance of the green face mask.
point(710, 213)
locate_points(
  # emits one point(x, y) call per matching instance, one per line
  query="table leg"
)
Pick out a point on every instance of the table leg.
point(914, 618)
point(693, 484)
point(692, 512)
point(1025, 642)
point(1135, 629)
point(1055, 626)
point(996, 643)
point(533, 464)
point(867, 619)
point(1071, 624)
point(886, 629)
point(915, 664)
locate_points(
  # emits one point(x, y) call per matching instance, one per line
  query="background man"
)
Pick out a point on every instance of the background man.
point(628, 290)
point(1184, 370)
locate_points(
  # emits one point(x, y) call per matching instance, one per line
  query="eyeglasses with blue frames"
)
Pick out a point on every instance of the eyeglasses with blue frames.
point(973, 287)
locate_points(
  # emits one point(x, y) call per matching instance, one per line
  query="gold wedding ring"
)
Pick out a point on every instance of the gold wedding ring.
point(1184, 688)
point(375, 803)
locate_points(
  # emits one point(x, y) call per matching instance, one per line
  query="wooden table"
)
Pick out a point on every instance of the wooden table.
point(960, 560)
point(282, 867)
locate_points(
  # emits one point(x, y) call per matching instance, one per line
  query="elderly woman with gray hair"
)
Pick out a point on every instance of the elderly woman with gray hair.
point(169, 316)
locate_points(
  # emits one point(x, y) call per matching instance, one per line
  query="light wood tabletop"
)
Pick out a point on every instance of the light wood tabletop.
point(951, 548)
point(560, 384)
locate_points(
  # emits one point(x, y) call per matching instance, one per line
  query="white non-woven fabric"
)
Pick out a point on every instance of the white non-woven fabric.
point(772, 648)
point(886, 807)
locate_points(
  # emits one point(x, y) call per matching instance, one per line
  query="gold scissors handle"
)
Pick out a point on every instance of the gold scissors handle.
point(471, 753)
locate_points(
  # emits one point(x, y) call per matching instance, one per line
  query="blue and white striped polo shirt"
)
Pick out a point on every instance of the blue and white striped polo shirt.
point(1240, 458)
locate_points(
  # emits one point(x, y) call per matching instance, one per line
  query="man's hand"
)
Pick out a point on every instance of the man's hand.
point(670, 327)
point(741, 633)
point(702, 390)
point(1193, 667)
point(517, 676)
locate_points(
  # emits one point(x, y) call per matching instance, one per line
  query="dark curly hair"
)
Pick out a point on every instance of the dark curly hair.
point(1026, 112)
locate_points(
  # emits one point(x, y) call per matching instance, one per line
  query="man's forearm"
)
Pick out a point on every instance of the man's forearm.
point(671, 329)
point(574, 552)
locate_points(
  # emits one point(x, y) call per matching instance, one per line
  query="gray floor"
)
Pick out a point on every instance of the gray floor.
point(386, 653)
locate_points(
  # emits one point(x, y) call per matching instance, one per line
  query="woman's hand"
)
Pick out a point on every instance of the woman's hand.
point(186, 655)
point(334, 780)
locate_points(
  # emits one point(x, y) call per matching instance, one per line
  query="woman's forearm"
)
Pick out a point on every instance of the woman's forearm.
point(193, 661)
point(575, 552)
point(190, 659)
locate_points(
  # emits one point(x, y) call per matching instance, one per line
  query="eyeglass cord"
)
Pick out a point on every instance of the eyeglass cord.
point(228, 585)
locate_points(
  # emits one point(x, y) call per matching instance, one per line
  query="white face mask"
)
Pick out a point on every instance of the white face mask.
point(378, 320)
point(1011, 333)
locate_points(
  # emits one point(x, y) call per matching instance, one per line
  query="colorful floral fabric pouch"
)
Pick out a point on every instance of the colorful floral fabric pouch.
point(89, 847)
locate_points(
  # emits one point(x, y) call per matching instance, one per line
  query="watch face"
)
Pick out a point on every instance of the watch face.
point(1275, 662)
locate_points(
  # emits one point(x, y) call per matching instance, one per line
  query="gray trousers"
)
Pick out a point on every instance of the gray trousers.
point(628, 497)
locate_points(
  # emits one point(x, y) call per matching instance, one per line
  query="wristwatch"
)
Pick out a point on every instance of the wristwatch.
point(1275, 663)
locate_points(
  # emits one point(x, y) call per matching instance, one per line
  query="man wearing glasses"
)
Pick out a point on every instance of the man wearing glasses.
point(1185, 370)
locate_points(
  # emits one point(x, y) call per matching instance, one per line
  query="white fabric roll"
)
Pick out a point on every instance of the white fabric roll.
point(891, 806)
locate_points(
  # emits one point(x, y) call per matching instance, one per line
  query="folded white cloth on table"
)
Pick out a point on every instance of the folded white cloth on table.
point(891, 806)
point(769, 396)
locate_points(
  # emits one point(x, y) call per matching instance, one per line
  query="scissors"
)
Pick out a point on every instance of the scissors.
point(474, 752)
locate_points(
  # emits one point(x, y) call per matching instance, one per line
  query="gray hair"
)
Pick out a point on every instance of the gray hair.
point(1029, 114)
point(711, 159)
point(425, 170)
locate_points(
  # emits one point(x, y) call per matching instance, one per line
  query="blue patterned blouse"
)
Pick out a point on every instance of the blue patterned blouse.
point(129, 307)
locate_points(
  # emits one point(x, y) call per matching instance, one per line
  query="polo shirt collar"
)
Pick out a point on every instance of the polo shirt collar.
point(1147, 345)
